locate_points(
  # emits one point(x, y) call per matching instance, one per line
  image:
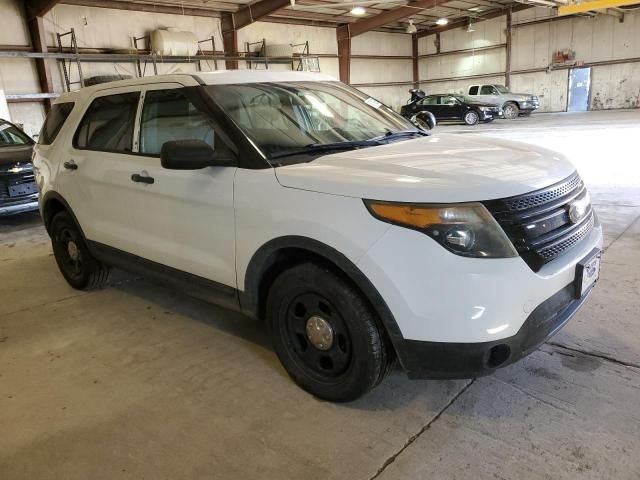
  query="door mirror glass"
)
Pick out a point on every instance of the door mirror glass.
point(193, 155)
point(424, 120)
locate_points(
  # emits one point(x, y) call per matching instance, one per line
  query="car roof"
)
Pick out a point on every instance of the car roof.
point(220, 77)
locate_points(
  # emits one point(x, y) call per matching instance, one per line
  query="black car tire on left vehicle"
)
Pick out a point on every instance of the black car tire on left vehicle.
point(79, 268)
point(471, 118)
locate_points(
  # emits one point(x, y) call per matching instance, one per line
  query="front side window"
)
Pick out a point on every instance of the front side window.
point(502, 89)
point(168, 115)
point(54, 121)
point(11, 136)
point(283, 116)
point(448, 100)
point(487, 90)
point(107, 125)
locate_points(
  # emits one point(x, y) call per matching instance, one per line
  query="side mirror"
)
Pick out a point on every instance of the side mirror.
point(193, 155)
point(424, 120)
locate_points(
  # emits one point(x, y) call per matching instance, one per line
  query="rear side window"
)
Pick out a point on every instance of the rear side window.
point(168, 115)
point(54, 122)
point(430, 100)
point(108, 124)
point(473, 90)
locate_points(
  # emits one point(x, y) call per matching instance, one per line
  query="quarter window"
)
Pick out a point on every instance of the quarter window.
point(168, 115)
point(54, 122)
point(108, 124)
point(473, 90)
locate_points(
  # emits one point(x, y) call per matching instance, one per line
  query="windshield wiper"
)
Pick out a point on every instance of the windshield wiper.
point(326, 147)
point(399, 134)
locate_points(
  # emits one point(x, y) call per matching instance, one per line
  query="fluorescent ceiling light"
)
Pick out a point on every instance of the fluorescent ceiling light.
point(442, 21)
point(357, 10)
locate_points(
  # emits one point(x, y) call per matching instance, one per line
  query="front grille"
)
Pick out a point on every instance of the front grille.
point(7, 179)
point(538, 223)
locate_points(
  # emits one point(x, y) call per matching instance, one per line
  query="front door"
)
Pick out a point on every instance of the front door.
point(579, 89)
point(488, 94)
point(185, 218)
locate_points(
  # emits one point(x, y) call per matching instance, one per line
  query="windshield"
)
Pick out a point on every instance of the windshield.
point(281, 117)
point(12, 136)
point(502, 89)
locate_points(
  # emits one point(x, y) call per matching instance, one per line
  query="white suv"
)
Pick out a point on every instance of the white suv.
point(358, 237)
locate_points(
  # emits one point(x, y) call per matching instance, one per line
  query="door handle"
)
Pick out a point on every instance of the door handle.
point(136, 177)
point(70, 165)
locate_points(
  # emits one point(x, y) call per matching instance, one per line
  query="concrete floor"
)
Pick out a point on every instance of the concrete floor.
point(135, 381)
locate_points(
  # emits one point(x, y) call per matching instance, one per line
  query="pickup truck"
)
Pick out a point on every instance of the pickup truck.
point(513, 104)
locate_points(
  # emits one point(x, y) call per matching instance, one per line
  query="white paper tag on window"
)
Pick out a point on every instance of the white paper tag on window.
point(4, 127)
point(372, 102)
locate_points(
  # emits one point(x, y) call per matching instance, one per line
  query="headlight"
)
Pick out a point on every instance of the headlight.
point(466, 229)
point(485, 109)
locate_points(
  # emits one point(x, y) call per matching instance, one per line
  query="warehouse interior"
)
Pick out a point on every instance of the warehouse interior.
point(138, 380)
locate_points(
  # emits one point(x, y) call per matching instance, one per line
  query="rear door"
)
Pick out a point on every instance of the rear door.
point(94, 173)
point(185, 218)
point(430, 104)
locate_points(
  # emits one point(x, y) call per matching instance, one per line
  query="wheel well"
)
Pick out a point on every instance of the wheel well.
point(51, 208)
point(287, 257)
point(284, 259)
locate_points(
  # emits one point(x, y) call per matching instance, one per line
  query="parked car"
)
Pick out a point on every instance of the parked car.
point(512, 104)
point(357, 237)
point(18, 192)
point(449, 107)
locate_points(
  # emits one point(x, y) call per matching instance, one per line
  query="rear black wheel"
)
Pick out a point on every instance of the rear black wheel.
point(325, 334)
point(79, 268)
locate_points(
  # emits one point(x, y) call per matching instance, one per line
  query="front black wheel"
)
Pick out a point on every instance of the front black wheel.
point(325, 334)
point(471, 118)
point(79, 268)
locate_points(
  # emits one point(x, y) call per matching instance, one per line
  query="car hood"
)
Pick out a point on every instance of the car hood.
point(17, 154)
point(438, 168)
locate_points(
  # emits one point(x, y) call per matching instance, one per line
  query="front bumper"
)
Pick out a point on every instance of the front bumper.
point(14, 209)
point(440, 360)
point(529, 106)
point(489, 114)
point(450, 311)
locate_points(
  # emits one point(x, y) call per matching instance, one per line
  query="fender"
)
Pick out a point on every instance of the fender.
point(271, 253)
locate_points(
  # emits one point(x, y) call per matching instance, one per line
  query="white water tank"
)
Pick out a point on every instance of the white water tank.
point(175, 42)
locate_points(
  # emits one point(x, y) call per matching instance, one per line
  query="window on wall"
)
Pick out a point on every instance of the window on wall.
point(168, 115)
point(108, 124)
point(55, 119)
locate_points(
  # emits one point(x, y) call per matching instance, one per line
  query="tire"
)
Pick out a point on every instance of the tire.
point(510, 110)
point(351, 358)
point(79, 268)
point(471, 118)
